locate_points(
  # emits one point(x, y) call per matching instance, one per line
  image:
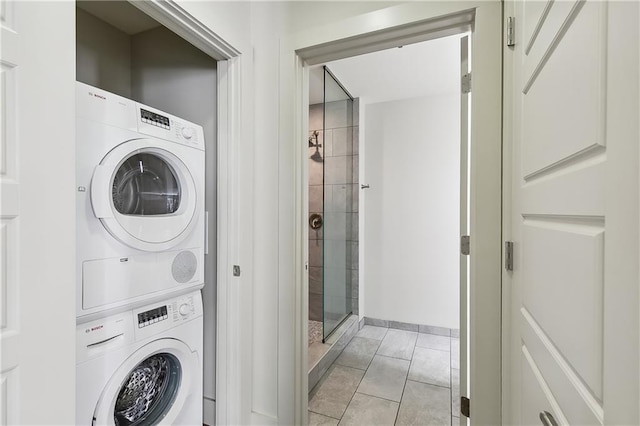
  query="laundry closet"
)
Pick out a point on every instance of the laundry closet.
point(122, 50)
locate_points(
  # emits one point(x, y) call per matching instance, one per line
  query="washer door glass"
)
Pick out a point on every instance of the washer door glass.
point(145, 185)
point(149, 391)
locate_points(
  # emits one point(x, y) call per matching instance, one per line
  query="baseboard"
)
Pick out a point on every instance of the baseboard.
point(422, 328)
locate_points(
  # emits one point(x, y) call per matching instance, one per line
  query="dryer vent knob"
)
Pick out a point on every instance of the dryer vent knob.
point(184, 266)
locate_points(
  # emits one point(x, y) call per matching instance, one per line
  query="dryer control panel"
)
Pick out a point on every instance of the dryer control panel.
point(160, 124)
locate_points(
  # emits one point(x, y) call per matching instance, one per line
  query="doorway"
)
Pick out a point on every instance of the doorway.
point(420, 23)
point(403, 143)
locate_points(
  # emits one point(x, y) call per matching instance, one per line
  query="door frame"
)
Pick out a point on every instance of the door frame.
point(385, 28)
point(229, 74)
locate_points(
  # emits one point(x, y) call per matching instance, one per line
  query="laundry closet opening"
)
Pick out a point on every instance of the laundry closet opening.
point(122, 50)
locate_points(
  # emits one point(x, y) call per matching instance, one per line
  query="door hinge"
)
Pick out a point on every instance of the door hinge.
point(236, 270)
point(465, 245)
point(465, 406)
point(466, 83)
point(508, 255)
point(511, 31)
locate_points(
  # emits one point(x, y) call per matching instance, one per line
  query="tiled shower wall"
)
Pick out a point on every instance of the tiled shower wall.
point(339, 156)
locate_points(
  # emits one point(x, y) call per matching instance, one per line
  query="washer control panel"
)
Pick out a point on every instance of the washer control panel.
point(153, 316)
point(155, 119)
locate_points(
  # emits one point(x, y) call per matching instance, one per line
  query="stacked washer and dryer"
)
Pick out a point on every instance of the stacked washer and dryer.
point(141, 241)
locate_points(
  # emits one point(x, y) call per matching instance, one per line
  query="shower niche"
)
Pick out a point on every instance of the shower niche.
point(333, 204)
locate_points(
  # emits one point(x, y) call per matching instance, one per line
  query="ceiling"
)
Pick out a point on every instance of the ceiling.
point(120, 14)
point(423, 69)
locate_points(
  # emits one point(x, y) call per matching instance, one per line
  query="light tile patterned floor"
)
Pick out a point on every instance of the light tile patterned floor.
point(390, 377)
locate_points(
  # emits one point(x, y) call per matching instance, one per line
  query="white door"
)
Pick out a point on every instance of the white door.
point(574, 306)
point(37, 234)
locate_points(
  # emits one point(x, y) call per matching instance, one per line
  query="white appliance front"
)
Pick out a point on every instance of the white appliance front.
point(140, 205)
point(142, 366)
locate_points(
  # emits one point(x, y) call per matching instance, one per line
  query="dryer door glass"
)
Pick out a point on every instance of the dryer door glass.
point(149, 391)
point(145, 185)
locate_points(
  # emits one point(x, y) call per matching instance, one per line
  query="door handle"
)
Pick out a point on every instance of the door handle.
point(547, 419)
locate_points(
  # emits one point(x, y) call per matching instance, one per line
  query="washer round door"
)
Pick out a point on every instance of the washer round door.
point(145, 195)
point(150, 387)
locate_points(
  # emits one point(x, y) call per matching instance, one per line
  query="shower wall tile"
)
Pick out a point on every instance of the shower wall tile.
point(315, 307)
point(356, 110)
point(335, 226)
point(354, 226)
point(315, 253)
point(335, 280)
point(315, 117)
point(338, 114)
point(355, 196)
point(315, 172)
point(355, 292)
point(355, 140)
point(337, 170)
point(327, 143)
point(315, 280)
point(355, 168)
point(341, 143)
point(334, 251)
point(354, 254)
point(315, 198)
point(315, 234)
point(335, 199)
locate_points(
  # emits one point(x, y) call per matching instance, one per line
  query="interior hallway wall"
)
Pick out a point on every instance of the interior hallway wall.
point(411, 271)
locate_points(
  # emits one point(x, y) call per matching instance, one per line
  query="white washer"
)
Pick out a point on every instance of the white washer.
point(142, 366)
point(140, 203)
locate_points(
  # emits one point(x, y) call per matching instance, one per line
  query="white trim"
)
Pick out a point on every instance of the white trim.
point(370, 32)
point(175, 18)
point(229, 74)
point(222, 335)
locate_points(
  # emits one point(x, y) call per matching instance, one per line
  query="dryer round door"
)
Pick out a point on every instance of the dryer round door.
point(145, 195)
point(150, 387)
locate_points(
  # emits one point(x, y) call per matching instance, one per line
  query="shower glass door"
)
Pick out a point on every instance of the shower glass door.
point(337, 187)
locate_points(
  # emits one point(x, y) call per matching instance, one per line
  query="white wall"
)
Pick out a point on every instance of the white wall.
point(103, 55)
point(412, 162)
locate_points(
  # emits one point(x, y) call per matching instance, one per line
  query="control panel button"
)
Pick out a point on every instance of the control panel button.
point(187, 132)
point(185, 309)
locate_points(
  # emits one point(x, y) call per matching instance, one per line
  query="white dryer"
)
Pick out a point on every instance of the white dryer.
point(140, 203)
point(143, 366)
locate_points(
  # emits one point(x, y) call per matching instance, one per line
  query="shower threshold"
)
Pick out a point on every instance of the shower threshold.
point(322, 355)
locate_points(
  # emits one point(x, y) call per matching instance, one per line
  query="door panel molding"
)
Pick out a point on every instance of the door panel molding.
point(573, 174)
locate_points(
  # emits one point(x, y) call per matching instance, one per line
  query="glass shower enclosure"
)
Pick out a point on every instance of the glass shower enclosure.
point(337, 202)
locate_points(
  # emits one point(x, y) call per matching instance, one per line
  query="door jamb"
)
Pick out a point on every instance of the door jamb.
point(409, 24)
point(229, 71)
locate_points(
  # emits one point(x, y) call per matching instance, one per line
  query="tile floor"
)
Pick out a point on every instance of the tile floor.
point(387, 376)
